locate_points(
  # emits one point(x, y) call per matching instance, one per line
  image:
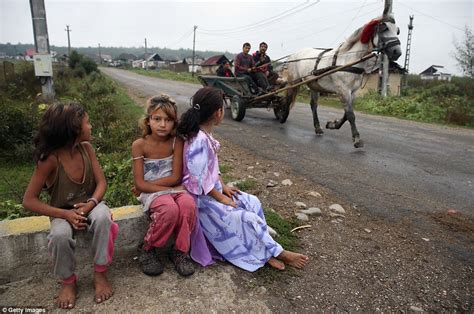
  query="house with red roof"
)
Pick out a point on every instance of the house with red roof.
point(210, 65)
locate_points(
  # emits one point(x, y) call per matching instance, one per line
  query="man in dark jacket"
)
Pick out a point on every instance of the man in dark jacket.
point(224, 70)
point(263, 68)
point(244, 66)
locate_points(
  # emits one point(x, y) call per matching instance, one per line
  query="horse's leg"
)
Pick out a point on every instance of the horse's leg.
point(348, 116)
point(336, 124)
point(351, 117)
point(314, 108)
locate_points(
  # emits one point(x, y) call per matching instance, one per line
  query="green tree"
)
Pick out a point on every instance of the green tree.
point(74, 59)
point(464, 53)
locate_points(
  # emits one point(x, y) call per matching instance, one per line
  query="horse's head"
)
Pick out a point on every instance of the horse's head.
point(386, 37)
point(383, 33)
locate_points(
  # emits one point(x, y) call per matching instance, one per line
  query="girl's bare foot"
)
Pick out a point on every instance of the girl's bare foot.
point(103, 288)
point(276, 263)
point(294, 259)
point(67, 296)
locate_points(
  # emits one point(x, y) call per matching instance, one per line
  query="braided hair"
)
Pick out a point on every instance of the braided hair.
point(205, 102)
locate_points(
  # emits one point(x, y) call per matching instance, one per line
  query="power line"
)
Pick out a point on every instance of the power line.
point(329, 27)
point(349, 24)
point(274, 18)
point(432, 17)
point(183, 37)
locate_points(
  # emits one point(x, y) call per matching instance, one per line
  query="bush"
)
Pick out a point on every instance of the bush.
point(428, 101)
point(81, 64)
point(113, 116)
point(118, 172)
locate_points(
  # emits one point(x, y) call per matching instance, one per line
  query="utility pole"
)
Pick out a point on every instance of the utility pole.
point(146, 57)
point(385, 62)
point(194, 50)
point(100, 55)
point(407, 53)
point(68, 40)
point(40, 31)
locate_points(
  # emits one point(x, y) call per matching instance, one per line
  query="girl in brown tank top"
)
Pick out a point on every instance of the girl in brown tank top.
point(67, 167)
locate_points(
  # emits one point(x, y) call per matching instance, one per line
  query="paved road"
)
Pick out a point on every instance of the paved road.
point(404, 165)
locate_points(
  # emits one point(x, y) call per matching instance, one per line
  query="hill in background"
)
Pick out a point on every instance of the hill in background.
point(166, 53)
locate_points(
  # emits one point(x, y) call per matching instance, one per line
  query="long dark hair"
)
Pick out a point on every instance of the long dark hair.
point(205, 102)
point(60, 126)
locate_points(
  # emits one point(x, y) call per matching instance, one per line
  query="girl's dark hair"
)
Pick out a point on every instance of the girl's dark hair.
point(163, 102)
point(60, 126)
point(205, 102)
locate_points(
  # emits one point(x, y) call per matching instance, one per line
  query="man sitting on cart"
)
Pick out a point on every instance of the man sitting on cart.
point(263, 67)
point(244, 66)
point(224, 70)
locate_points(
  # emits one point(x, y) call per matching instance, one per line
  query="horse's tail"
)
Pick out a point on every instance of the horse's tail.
point(291, 94)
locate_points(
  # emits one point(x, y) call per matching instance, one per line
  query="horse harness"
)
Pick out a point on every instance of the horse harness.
point(384, 43)
point(316, 71)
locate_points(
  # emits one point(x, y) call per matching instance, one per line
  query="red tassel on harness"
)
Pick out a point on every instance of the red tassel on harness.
point(368, 31)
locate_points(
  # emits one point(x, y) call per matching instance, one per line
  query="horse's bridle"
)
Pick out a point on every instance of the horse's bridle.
point(384, 43)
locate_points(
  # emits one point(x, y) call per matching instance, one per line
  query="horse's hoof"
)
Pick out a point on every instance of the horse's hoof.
point(331, 125)
point(358, 143)
point(318, 131)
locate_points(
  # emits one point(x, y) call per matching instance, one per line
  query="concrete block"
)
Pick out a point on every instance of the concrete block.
point(24, 244)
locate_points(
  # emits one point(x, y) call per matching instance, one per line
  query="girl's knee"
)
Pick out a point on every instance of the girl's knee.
point(100, 215)
point(186, 203)
point(170, 213)
point(60, 239)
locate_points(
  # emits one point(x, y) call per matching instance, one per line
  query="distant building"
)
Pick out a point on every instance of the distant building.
point(179, 66)
point(434, 73)
point(373, 82)
point(210, 65)
point(197, 64)
point(29, 54)
point(153, 61)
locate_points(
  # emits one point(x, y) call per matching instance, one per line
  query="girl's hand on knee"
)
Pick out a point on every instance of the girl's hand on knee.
point(230, 191)
point(76, 220)
point(228, 201)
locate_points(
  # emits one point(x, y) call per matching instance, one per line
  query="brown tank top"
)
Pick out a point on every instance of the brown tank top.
point(65, 192)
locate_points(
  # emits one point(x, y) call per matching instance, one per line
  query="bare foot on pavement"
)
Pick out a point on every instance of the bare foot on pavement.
point(66, 298)
point(294, 259)
point(103, 288)
point(276, 263)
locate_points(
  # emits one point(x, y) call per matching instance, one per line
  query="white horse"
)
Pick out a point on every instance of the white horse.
point(379, 34)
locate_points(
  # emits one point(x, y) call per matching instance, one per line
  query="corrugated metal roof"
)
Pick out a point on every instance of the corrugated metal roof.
point(214, 60)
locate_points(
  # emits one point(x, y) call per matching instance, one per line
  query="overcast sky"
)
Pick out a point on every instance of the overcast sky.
point(287, 26)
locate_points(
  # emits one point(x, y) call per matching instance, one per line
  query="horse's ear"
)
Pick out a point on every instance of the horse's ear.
point(368, 31)
point(386, 9)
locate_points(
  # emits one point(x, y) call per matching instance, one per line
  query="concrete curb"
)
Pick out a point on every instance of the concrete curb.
point(24, 246)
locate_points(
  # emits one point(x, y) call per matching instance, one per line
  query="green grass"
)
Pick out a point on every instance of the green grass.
point(168, 75)
point(14, 178)
point(225, 168)
point(286, 239)
point(114, 118)
point(283, 227)
point(246, 184)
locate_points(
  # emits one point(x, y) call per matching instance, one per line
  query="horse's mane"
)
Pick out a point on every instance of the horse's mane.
point(352, 40)
point(363, 33)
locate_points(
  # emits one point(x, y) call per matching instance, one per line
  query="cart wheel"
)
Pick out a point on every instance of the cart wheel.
point(237, 108)
point(281, 112)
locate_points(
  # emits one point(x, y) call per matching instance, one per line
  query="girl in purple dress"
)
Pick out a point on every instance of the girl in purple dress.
point(232, 221)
